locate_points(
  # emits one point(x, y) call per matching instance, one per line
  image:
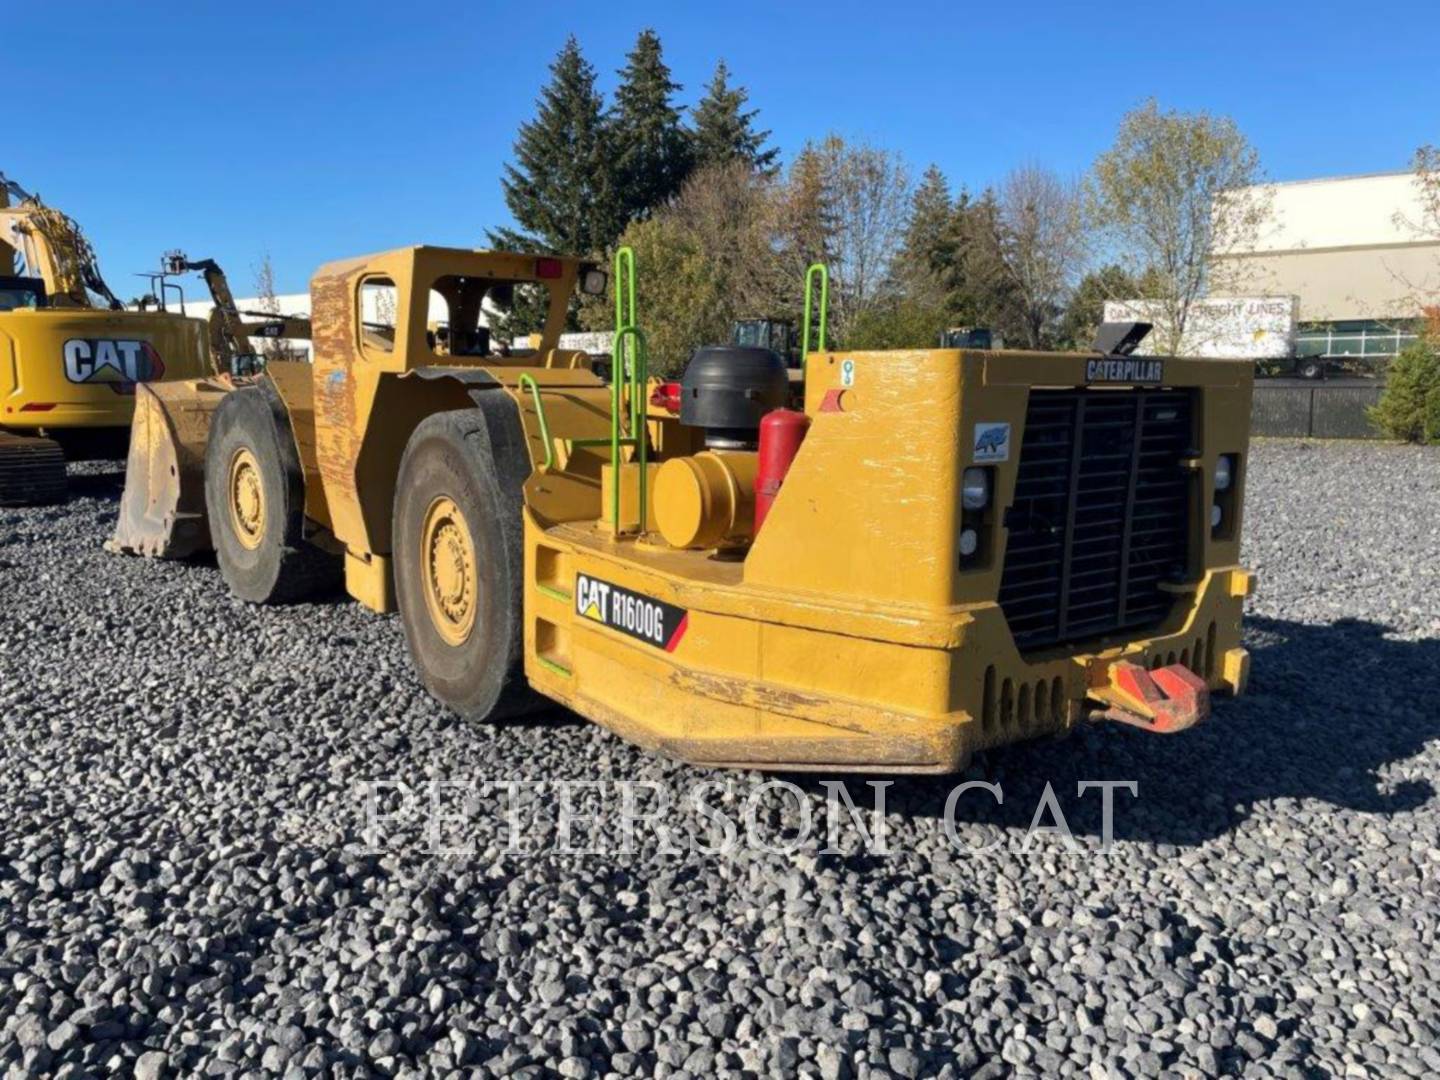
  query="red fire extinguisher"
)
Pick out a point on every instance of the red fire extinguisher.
point(781, 433)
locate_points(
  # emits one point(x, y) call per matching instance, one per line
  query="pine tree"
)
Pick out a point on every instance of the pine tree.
point(561, 189)
point(931, 246)
point(982, 293)
point(807, 220)
point(1086, 309)
point(652, 147)
point(724, 129)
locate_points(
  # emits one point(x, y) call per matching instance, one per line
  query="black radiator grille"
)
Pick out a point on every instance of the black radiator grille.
point(1100, 516)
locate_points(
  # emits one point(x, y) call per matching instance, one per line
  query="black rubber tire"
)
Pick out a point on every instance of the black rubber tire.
point(284, 567)
point(454, 454)
point(1308, 368)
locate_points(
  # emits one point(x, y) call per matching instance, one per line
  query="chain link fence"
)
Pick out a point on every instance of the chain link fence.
point(1314, 412)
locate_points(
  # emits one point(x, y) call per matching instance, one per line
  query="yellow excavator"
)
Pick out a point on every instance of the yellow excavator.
point(946, 550)
point(73, 355)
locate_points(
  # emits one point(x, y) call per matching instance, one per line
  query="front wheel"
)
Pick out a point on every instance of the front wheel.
point(255, 502)
point(459, 566)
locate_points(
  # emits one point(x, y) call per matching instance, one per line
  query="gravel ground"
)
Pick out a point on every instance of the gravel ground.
point(185, 887)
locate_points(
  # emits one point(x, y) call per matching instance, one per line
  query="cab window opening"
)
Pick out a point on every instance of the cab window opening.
point(378, 300)
point(477, 316)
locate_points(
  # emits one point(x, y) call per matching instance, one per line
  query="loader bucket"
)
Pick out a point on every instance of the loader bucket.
point(162, 510)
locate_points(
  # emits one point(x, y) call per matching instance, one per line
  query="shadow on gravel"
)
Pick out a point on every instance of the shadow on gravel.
point(92, 484)
point(1328, 708)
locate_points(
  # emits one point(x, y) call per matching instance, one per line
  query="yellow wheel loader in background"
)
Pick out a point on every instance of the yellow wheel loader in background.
point(957, 548)
point(159, 516)
point(71, 356)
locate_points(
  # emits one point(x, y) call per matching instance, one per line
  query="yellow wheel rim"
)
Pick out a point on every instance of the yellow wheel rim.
point(247, 499)
point(449, 571)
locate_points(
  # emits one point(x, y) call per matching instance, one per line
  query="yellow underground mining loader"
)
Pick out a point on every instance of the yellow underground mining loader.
point(943, 550)
point(72, 354)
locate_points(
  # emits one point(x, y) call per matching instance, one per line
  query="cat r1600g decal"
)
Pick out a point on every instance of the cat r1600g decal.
point(99, 360)
point(651, 621)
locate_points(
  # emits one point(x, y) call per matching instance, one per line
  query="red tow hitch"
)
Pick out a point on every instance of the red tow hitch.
point(1165, 700)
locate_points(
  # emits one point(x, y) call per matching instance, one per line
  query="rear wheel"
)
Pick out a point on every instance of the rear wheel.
point(458, 561)
point(255, 501)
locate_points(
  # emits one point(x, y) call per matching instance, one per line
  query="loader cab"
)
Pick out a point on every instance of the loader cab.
point(22, 294)
point(970, 337)
point(777, 335)
point(424, 306)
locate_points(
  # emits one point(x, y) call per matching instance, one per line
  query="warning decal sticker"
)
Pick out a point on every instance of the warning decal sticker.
point(642, 617)
point(992, 443)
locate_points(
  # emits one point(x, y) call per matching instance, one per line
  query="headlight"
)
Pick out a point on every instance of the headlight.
point(969, 542)
point(975, 489)
point(1216, 516)
point(1224, 472)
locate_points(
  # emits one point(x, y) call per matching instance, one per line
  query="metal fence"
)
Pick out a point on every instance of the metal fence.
point(1374, 343)
point(1314, 412)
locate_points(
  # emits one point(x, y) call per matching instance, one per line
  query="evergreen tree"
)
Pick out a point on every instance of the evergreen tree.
point(950, 258)
point(931, 246)
point(1086, 310)
point(561, 187)
point(804, 221)
point(1409, 408)
point(724, 129)
point(653, 149)
point(982, 293)
point(808, 217)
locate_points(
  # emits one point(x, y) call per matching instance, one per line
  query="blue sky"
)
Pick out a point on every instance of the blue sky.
point(315, 131)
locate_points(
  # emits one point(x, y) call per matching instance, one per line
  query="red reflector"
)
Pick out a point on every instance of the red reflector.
point(548, 268)
point(37, 406)
point(667, 396)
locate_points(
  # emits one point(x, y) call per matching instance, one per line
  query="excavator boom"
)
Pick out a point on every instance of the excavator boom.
point(53, 248)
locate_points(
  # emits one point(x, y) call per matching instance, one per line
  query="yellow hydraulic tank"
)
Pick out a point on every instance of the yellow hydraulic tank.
point(707, 500)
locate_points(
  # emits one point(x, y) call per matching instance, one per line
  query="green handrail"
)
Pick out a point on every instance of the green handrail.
point(527, 382)
point(624, 289)
point(821, 271)
point(638, 375)
point(635, 373)
point(630, 371)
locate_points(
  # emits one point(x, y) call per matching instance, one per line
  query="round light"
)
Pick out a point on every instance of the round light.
point(1216, 516)
point(975, 489)
point(969, 542)
point(1224, 472)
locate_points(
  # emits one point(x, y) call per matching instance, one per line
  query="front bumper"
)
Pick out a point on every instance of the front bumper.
point(759, 692)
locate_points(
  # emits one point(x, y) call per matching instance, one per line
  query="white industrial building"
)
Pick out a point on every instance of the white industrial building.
point(1357, 252)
